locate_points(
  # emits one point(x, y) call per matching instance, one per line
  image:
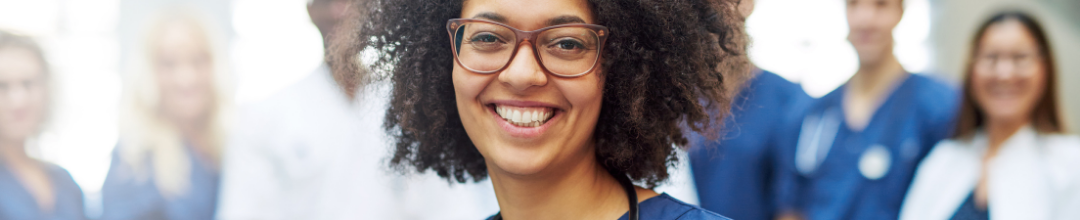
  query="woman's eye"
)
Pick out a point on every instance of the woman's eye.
point(485, 38)
point(568, 44)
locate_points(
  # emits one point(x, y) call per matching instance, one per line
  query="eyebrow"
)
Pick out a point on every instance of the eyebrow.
point(564, 19)
point(491, 16)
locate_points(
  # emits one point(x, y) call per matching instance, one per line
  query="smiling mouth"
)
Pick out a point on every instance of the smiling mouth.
point(524, 116)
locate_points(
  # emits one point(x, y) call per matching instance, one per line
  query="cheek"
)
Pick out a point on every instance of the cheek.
point(585, 93)
point(468, 86)
point(1036, 85)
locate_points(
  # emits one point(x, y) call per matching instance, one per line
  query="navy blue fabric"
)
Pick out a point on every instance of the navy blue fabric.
point(664, 207)
point(127, 198)
point(969, 211)
point(919, 113)
point(17, 203)
point(734, 173)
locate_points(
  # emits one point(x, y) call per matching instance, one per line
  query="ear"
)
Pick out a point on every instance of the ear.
point(746, 7)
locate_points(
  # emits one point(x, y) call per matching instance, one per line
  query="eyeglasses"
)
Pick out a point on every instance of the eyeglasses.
point(567, 50)
point(1021, 60)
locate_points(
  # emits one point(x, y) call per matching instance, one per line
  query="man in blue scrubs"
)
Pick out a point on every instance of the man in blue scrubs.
point(733, 173)
point(859, 145)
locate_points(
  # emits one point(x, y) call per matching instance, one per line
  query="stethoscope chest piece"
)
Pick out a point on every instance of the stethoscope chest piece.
point(875, 162)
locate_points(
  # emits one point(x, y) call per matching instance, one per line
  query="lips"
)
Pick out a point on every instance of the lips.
point(524, 116)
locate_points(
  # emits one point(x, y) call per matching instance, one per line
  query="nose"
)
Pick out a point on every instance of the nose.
point(524, 70)
point(16, 96)
point(1005, 70)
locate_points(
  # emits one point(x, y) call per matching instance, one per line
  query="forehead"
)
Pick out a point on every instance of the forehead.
point(1008, 33)
point(19, 63)
point(899, 3)
point(527, 14)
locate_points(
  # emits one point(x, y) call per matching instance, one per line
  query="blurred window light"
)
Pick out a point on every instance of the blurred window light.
point(35, 17)
point(276, 45)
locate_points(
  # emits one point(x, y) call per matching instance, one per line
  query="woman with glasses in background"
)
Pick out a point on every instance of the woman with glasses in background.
point(565, 104)
point(1009, 157)
point(29, 188)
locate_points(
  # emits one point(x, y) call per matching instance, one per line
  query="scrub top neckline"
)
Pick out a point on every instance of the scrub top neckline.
point(874, 117)
point(24, 192)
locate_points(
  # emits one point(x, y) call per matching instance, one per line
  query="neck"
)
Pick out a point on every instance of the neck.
point(13, 151)
point(999, 131)
point(876, 77)
point(196, 133)
point(583, 190)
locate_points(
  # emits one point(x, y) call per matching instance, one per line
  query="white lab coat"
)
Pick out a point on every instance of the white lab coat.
point(1034, 176)
point(309, 153)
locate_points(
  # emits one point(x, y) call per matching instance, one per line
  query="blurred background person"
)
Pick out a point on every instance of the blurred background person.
point(1008, 152)
point(860, 144)
point(733, 174)
point(311, 151)
point(174, 106)
point(29, 188)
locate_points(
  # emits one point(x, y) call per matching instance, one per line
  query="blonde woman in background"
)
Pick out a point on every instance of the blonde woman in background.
point(1009, 157)
point(29, 188)
point(171, 125)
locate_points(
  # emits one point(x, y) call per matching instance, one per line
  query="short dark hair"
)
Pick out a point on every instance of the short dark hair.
point(1046, 117)
point(668, 65)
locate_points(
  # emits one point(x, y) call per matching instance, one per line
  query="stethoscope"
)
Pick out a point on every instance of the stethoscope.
point(816, 139)
point(631, 195)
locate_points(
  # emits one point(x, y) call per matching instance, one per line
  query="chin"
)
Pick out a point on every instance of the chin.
point(1005, 112)
point(520, 160)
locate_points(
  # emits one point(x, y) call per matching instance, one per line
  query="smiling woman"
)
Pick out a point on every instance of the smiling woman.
point(562, 103)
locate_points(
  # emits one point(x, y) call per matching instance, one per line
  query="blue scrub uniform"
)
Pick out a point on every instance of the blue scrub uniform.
point(17, 203)
point(126, 198)
point(840, 173)
point(734, 174)
point(664, 207)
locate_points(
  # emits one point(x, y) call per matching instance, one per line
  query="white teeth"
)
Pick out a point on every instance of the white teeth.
point(527, 117)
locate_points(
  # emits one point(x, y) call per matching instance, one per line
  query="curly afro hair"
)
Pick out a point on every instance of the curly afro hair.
point(670, 67)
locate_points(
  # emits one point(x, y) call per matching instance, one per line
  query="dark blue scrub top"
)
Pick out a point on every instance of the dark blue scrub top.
point(664, 207)
point(126, 198)
point(17, 203)
point(919, 113)
point(734, 173)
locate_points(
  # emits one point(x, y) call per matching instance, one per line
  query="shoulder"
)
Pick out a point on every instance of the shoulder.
point(300, 92)
point(1062, 152)
point(309, 101)
point(937, 98)
point(63, 180)
point(769, 82)
point(946, 151)
point(665, 207)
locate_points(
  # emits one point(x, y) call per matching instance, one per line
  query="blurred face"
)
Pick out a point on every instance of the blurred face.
point(326, 14)
point(184, 72)
point(23, 94)
point(871, 23)
point(1009, 77)
point(523, 119)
